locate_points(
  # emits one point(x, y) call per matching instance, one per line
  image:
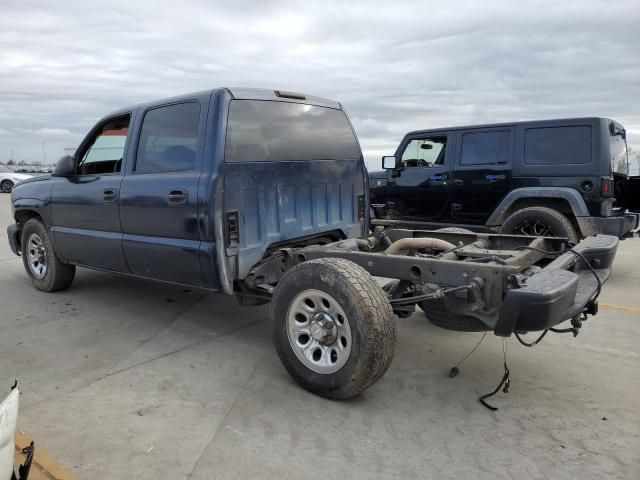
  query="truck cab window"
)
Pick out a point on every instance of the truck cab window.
point(425, 152)
point(169, 139)
point(104, 153)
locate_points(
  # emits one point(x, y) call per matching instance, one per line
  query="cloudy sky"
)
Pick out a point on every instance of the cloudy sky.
point(395, 66)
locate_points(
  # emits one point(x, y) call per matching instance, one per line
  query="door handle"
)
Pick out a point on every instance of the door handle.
point(458, 181)
point(495, 178)
point(177, 197)
point(438, 178)
point(110, 195)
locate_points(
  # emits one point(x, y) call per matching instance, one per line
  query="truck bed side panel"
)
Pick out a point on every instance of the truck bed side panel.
point(281, 201)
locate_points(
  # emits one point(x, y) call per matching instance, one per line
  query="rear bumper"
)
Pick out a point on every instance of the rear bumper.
point(559, 292)
point(619, 225)
point(14, 243)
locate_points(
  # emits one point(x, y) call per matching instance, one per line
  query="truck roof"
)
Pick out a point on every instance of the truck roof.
point(541, 123)
point(241, 94)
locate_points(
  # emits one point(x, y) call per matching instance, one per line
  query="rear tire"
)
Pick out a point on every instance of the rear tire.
point(539, 222)
point(42, 264)
point(333, 327)
point(437, 313)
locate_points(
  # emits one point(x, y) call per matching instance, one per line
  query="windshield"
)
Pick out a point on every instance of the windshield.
point(618, 150)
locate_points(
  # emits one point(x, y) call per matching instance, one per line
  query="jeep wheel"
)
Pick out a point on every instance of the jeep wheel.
point(333, 327)
point(6, 186)
point(539, 222)
point(42, 264)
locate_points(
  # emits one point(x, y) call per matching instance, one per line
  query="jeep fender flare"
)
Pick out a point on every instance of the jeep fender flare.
point(571, 196)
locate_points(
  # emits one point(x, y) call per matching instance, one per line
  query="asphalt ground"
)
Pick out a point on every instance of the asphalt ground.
point(124, 378)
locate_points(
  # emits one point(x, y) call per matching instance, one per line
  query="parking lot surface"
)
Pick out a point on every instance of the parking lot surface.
point(123, 378)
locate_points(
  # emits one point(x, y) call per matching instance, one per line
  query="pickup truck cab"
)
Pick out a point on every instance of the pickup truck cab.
point(566, 178)
point(262, 194)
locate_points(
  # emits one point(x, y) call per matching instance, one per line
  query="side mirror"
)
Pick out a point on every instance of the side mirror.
point(389, 163)
point(64, 167)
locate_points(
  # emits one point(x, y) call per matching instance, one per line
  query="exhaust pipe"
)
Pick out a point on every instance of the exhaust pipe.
point(415, 243)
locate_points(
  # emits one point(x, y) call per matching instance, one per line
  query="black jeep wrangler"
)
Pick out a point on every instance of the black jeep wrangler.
point(564, 178)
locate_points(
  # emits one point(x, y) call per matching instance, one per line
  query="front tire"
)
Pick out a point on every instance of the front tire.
point(42, 264)
point(6, 186)
point(333, 327)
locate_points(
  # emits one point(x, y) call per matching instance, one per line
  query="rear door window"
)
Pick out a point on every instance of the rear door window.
point(557, 145)
point(271, 131)
point(485, 148)
point(169, 139)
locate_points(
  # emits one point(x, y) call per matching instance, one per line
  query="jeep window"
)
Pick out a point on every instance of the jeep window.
point(557, 145)
point(485, 148)
point(268, 131)
point(425, 152)
point(618, 147)
point(103, 154)
point(169, 139)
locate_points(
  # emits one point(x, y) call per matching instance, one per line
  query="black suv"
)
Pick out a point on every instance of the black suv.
point(565, 178)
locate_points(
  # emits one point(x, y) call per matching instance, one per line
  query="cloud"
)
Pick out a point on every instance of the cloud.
point(394, 66)
point(55, 132)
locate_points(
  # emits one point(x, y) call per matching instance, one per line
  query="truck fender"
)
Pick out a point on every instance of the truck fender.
point(573, 198)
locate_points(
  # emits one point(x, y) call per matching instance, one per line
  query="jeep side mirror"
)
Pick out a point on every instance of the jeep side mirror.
point(389, 163)
point(64, 167)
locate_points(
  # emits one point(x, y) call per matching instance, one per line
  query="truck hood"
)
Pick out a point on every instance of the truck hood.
point(24, 179)
point(378, 174)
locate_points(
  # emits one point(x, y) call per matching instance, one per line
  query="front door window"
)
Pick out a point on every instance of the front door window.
point(104, 153)
point(425, 152)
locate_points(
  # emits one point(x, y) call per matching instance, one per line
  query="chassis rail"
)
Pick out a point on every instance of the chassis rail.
point(514, 283)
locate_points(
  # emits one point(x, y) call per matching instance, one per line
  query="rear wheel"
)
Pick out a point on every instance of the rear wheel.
point(6, 186)
point(42, 264)
point(333, 327)
point(539, 222)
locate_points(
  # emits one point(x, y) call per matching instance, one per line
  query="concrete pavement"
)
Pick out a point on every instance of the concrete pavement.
point(123, 378)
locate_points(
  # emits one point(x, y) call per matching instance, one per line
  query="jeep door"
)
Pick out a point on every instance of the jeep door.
point(419, 189)
point(159, 194)
point(85, 205)
point(482, 173)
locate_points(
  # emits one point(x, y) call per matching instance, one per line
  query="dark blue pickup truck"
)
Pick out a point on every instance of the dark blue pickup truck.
point(263, 194)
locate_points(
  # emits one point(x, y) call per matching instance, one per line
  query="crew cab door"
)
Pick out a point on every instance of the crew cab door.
point(419, 189)
point(85, 206)
point(159, 193)
point(482, 173)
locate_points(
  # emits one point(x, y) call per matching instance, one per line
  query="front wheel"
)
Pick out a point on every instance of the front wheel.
point(6, 186)
point(42, 264)
point(333, 327)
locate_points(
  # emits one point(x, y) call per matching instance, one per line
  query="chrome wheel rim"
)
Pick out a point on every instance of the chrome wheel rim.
point(37, 256)
point(533, 229)
point(6, 186)
point(319, 331)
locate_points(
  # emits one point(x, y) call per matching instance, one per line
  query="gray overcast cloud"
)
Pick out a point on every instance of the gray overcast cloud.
point(395, 66)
